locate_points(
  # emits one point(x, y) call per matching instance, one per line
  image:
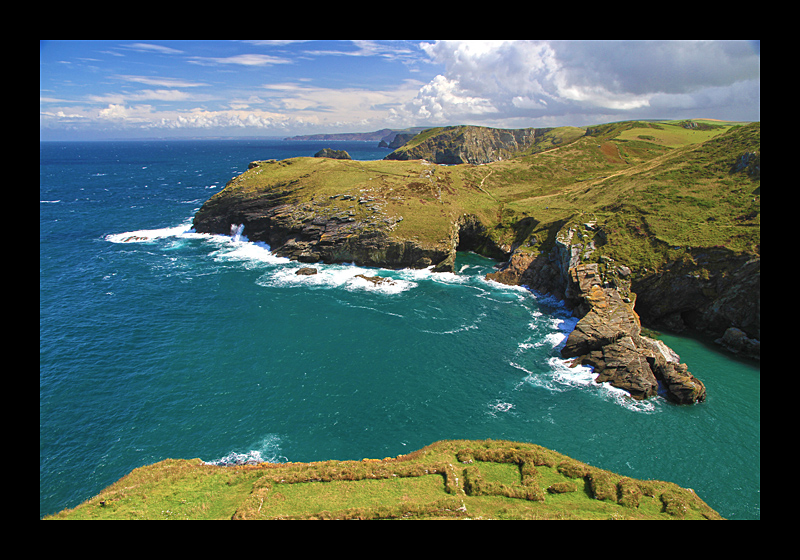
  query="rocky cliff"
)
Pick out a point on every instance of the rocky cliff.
point(333, 228)
point(608, 336)
point(476, 144)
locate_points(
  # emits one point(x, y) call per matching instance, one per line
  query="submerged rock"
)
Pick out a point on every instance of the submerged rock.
point(376, 280)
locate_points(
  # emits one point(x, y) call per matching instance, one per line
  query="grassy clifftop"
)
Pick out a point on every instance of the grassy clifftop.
point(457, 479)
point(657, 190)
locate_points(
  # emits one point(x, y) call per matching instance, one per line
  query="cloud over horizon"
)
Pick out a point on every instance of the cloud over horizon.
point(282, 88)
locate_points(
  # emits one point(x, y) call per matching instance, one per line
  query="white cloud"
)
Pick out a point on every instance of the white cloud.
point(149, 47)
point(123, 113)
point(443, 99)
point(497, 82)
point(243, 60)
point(156, 81)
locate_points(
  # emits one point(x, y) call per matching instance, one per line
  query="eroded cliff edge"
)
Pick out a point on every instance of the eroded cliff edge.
point(608, 336)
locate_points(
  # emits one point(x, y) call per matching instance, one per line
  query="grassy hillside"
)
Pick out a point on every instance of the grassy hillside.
point(447, 480)
point(654, 202)
point(657, 190)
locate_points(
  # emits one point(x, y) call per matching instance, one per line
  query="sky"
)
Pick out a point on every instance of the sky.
point(95, 90)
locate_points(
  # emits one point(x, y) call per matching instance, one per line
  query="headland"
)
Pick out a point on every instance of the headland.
point(458, 479)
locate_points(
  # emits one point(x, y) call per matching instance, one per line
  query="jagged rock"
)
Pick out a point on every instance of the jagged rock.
point(608, 337)
point(681, 386)
point(626, 367)
point(306, 271)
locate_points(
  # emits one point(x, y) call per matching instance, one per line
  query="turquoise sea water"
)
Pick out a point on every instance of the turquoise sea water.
point(181, 345)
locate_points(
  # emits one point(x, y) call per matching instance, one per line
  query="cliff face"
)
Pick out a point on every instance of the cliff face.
point(608, 334)
point(336, 228)
point(714, 291)
point(470, 144)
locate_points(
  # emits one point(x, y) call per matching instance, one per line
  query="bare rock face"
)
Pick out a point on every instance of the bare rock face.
point(608, 337)
point(471, 144)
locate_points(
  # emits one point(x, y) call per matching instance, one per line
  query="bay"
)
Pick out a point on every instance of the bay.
point(181, 345)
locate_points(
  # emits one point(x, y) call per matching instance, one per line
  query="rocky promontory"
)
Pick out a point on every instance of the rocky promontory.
point(608, 336)
point(306, 225)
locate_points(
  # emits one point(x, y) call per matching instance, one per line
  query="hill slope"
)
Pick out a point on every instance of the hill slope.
point(447, 480)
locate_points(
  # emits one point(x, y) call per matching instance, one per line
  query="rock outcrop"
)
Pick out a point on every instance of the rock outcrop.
point(355, 229)
point(470, 144)
point(333, 154)
point(738, 342)
point(608, 338)
point(304, 233)
point(608, 335)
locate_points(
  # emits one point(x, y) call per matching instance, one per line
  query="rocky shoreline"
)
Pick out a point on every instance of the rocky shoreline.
point(413, 214)
point(607, 336)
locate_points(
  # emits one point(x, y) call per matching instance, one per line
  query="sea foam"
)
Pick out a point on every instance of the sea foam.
point(343, 276)
point(265, 451)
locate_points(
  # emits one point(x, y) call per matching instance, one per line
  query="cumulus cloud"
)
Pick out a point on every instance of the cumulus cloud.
point(510, 81)
point(122, 113)
point(203, 119)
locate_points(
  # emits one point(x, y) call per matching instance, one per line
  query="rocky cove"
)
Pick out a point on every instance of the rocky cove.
point(608, 335)
point(407, 212)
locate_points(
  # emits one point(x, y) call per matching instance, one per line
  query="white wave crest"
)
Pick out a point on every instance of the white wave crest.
point(147, 235)
point(251, 253)
point(498, 407)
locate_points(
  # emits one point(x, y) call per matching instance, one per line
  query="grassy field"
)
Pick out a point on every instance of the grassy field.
point(659, 191)
point(457, 479)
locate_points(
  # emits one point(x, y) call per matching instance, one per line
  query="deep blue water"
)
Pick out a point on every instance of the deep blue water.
point(184, 345)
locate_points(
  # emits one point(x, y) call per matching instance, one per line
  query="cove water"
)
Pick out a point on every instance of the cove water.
point(157, 342)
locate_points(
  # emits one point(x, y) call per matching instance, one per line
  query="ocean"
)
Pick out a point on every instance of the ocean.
point(156, 342)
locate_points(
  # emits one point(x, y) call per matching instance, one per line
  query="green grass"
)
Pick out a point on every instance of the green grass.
point(659, 190)
point(673, 134)
point(447, 480)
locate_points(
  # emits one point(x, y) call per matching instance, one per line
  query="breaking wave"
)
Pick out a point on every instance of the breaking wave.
point(265, 451)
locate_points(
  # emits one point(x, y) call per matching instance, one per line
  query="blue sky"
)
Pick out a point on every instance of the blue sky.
point(157, 89)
